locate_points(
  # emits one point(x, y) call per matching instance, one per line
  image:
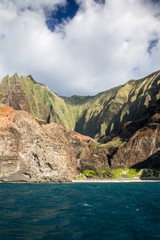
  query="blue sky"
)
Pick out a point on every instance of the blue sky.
point(62, 13)
point(80, 46)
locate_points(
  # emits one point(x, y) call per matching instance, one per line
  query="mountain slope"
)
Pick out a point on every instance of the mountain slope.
point(110, 110)
point(141, 148)
point(31, 152)
point(23, 93)
point(95, 116)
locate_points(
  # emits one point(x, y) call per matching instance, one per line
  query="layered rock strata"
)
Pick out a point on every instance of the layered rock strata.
point(142, 149)
point(31, 152)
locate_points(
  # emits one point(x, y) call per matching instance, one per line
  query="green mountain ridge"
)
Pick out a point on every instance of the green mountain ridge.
point(95, 116)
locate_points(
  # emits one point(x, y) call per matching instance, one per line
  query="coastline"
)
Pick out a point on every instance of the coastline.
point(91, 180)
point(116, 180)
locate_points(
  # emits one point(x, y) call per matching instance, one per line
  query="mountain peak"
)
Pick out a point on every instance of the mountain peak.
point(95, 116)
point(15, 75)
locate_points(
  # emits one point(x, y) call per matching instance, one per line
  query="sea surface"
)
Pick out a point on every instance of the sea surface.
point(92, 211)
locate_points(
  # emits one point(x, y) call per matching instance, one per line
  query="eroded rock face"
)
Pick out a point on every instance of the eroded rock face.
point(40, 153)
point(16, 99)
point(143, 148)
point(142, 151)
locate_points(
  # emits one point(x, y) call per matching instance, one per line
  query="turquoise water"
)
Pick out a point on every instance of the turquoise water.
point(120, 211)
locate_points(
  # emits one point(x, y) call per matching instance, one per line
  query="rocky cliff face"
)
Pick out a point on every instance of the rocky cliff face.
point(96, 116)
point(142, 149)
point(32, 152)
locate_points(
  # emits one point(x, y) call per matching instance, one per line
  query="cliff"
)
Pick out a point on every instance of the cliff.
point(96, 116)
point(140, 139)
point(33, 152)
point(34, 147)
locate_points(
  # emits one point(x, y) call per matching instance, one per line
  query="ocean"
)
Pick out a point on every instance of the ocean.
point(91, 211)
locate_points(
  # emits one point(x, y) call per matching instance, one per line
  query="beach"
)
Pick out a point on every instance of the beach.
point(116, 180)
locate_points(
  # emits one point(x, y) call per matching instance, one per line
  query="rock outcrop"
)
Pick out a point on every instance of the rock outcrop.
point(142, 149)
point(33, 152)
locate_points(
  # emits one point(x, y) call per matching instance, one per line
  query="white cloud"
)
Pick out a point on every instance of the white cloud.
point(103, 46)
point(35, 5)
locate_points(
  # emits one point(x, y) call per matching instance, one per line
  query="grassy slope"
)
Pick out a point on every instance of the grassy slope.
point(44, 104)
point(121, 173)
point(95, 116)
point(106, 112)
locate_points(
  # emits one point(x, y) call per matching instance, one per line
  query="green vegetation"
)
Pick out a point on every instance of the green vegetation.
point(156, 172)
point(100, 115)
point(146, 173)
point(132, 173)
point(98, 173)
point(81, 176)
point(126, 173)
point(99, 144)
point(2, 106)
point(40, 120)
point(120, 173)
point(89, 173)
point(150, 173)
point(115, 144)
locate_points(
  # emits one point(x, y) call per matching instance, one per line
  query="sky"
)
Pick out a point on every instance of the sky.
point(80, 47)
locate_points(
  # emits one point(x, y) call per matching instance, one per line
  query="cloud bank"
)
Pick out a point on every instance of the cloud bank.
point(104, 45)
